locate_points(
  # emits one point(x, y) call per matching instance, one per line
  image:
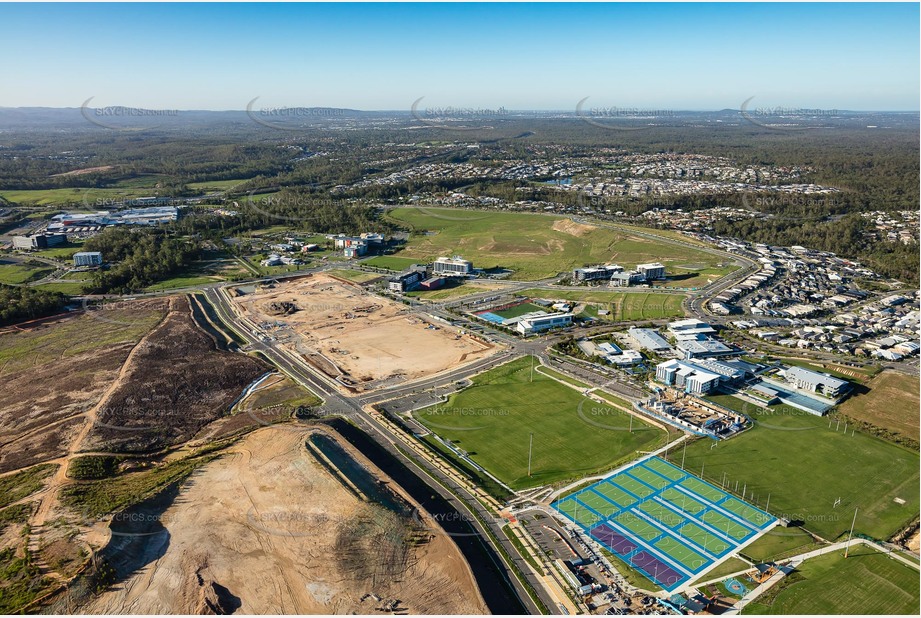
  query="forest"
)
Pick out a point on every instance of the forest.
point(21, 303)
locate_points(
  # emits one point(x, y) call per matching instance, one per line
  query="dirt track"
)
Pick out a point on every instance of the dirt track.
point(263, 529)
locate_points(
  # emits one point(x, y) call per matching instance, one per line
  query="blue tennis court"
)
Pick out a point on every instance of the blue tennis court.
point(663, 521)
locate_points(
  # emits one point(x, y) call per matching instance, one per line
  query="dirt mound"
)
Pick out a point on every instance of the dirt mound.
point(268, 530)
point(572, 228)
point(281, 307)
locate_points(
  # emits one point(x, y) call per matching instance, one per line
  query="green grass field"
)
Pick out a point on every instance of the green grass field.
point(518, 310)
point(805, 467)
point(183, 281)
point(214, 185)
point(493, 419)
point(92, 198)
point(867, 582)
point(779, 543)
point(534, 246)
point(450, 293)
point(70, 288)
point(61, 252)
point(390, 262)
point(623, 306)
point(23, 273)
point(356, 276)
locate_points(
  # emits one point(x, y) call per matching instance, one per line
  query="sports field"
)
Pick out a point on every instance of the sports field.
point(534, 246)
point(573, 436)
point(663, 521)
point(867, 583)
point(805, 466)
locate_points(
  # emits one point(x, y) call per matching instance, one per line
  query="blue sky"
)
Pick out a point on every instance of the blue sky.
point(517, 56)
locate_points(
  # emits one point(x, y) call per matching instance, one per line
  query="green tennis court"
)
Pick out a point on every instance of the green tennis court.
point(638, 526)
point(634, 486)
point(726, 525)
point(615, 493)
point(683, 501)
point(659, 466)
point(746, 512)
point(650, 478)
point(706, 490)
point(681, 552)
point(598, 503)
point(578, 513)
point(712, 544)
point(662, 514)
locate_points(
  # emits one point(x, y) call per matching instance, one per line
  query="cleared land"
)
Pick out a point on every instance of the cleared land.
point(234, 540)
point(178, 382)
point(866, 583)
point(891, 403)
point(53, 373)
point(347, 332)
point(534, 246)
point(806, 467)
point(573, 436)
point(623, 306)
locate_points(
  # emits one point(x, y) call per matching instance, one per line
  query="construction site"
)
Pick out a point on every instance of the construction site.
point(361, 340)
point(693, 414)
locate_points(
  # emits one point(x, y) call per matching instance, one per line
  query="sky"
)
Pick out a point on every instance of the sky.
point(487, 56)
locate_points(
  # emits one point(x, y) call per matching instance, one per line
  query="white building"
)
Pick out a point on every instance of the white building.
point(689, 378)
point(819, 383)
point(453, 266)
point(536, 324)
point(88, 258)
point(653, 270)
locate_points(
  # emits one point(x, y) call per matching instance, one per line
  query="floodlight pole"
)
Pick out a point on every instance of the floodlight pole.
point(684, 452)
point(768, 504)
point(847, 546)
point(530, 449)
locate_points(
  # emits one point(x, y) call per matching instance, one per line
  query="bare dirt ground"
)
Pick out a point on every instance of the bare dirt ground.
point(567, 226)
point(353, 333)
point(262, 531)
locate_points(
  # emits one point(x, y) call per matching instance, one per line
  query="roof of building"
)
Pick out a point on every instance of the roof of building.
point(649, 339)
point(814, 377)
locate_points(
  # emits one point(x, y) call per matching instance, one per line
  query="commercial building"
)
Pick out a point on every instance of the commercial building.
point(536, 324)
point(652, 271)
point(626, 278)
point(407, 281)
point(352, 246)
point(88, 258)
point(38, 241)
point(432, 283)
point(813, 381)
point(649, 339)
point(452, 267)
point(596, 273)
point(700, 346)
point(687, 377)
point(691, 326)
